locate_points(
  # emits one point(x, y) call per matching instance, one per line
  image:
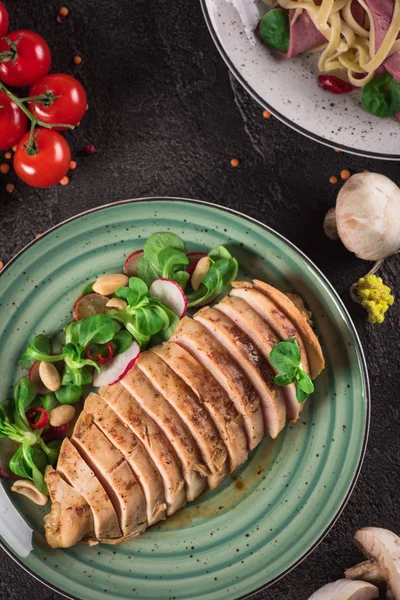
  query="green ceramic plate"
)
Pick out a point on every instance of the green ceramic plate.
point(259, 524)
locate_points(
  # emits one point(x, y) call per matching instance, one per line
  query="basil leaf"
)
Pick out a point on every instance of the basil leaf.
point(69, 394)
point(38, 349)
point(285, 378)
point(275, 29)
point(285, 356)
point(381, 96)
point(300, 394)
point(96, 329)
point(158, 241)
point(304, 382)
point(121, 341)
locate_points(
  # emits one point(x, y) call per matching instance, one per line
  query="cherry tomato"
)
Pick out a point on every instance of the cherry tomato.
point(29, 58)
point(47, 163)
point(64, 102)
point(3, 20)
point(13, 122)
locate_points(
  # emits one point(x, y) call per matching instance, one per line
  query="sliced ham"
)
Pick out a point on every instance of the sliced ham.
point(263, 337)
point(382, 11)
point(275, 318)
point(192, 413)
point(255, 366)
point(71, 518)
point(152, 438)
point(315, 357)
point(304, 35)
point(169, 422)
point(80, 476)
point(208, 391)
point(114, 473)
point(203, 346)
point(134, 452)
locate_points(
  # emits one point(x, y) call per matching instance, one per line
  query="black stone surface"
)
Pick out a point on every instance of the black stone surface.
point(166, 117)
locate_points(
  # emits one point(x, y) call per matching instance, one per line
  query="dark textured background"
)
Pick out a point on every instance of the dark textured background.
point(166, 117)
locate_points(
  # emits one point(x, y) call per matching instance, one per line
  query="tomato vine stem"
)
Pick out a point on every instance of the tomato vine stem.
point(31, 147)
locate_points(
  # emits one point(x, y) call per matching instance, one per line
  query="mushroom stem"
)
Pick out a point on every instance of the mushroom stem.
point(367, 571)
point(345, 589)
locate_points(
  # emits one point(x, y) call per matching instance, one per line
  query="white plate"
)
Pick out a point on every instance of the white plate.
point(289, 89)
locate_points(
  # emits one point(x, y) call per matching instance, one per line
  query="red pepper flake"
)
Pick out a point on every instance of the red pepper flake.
point(90, 149)
point(54, 433)
point(72, 165)
point(100, 353)
point(345, 174)
point(333, 179)
point(37, 417)
point(77, 60)
point(64, 181)
point(333, 84)
point(266, 114)
point(235, 162)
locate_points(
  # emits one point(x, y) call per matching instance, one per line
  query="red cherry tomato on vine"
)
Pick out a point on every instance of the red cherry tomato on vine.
point(46, 163)
point(13, 122)
point(3, 20)
point(64, 100)
point(29, 58)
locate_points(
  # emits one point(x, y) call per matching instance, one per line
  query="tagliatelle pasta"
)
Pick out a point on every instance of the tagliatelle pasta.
point(351, 45)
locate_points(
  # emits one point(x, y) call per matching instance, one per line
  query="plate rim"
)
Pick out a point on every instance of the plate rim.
point(249, 89)
point(363, 362)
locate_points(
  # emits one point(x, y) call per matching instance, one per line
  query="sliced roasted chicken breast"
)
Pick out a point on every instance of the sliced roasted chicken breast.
point(314, 352)
point(80, 476)
point(168, 420)
point(203, 346)
point(255, 366)
point(114, 473)
point(214, 398)
point(275, 318)
point(153, 439)
point(263, 337)
point(135, 453)
point(192, 413)
point(71, 518)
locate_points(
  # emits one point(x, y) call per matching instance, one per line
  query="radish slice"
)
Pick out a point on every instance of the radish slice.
point(35, 378)
point(132, 263)
point(170, 294)
point(90, 304)
point(194, 258)
point(118, 367)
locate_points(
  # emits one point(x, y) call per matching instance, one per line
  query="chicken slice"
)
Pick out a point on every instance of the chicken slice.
point(71, 518)
point(192, 413)
point(159, 409)
point(201, 344)
point(152, 438)
point(134, 452)
point(275, 318)
point(253, 363)
point(80, 476)
point(263, 337)
point(222, 410)
point(114, 473)
point(314, 352)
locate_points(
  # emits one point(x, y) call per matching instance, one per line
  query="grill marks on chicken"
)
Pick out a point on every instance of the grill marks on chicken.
point(187, 414)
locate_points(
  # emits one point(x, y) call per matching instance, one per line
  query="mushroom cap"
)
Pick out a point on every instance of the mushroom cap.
point(368, 216)
point(383, 547)
point(346, 589)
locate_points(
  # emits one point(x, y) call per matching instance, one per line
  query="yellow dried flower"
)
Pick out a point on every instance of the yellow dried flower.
point(374, 296)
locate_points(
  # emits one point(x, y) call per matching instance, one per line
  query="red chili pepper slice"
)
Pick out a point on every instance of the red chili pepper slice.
point(37, 417)
point(100, 353)
point(333, 84)
point(8, 477)
point(54, 433)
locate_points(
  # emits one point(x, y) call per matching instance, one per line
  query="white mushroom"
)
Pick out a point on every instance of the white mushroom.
point(367, 216)
point(382, 548)
point(345, 589)
point(330, 226)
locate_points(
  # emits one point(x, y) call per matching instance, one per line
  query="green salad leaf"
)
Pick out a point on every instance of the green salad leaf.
point(381, 96)
point(38, 349)
point(286, 358)
point(223, 271)
point(275, 29)
point(164, 255)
